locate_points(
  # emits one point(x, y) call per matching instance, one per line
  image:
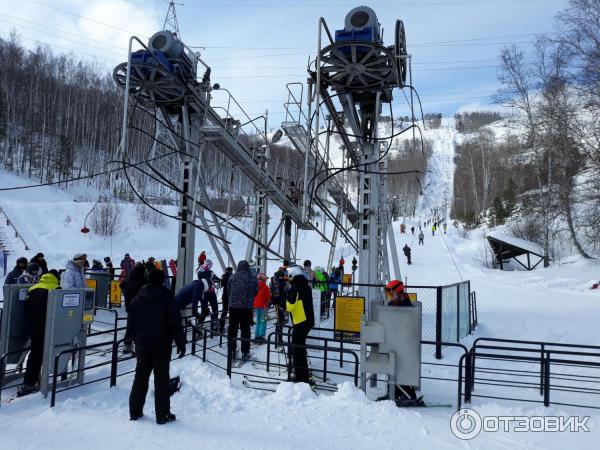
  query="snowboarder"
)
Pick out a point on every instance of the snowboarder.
point(413, 230)
point(224, 299)
point(39, 260)
point(73, 276)
point(406, 250)
point(261, 305)
point(35, 311)
point(299, 304)
point(242, 287)
point(153, 323)
point(31, 275)
point(396, 295)
point(14, 274)
point(421, 237)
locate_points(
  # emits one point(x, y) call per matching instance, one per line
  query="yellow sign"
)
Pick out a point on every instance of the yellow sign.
point(88, 317)
point(348, 312)
point(90, 284)
point(115, 293)
point(412, 297)
point(347, 278)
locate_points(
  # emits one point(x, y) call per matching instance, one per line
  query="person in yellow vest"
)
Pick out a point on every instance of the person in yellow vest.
point(299, 304)
point(36, 304)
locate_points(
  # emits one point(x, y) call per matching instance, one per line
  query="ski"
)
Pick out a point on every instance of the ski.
point(249, 386)
point(319, 386)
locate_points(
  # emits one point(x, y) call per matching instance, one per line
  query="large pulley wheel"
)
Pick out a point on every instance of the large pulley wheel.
point(150, 84)
point(357, 65)
point(401, 52)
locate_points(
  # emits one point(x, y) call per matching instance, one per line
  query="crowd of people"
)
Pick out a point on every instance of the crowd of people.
point(154, 312)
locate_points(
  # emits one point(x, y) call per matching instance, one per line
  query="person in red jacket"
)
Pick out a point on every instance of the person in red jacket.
point(261, 305)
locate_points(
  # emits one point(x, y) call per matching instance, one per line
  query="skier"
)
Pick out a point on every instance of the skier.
point(421, 237)
point(73, 276)
point(31, 275)
point(242, 288)
point(413, 230)
point(299, 304)
point(109, 266)
point(445, 227)
point(396, 295)
point(321, 285)
point(224, 298)
point(39, 260)
point(150, 264)
point(406, 251)
point(335, 278)
point(402, 228)
point(131, 285)
point(191, 293)
point(261, 305)
point(35, 312)
point(153, 323)
point(308, 272)
point(201, 258)
point(209, 301)
point(14, 274)
point(278, 288)
point(127, 265)
point(97, 266)
point(433, 228)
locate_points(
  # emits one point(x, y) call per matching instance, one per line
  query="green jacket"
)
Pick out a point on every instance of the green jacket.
point(47, 281)
point(320, 281)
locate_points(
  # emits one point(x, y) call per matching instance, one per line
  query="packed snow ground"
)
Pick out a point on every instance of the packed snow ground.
point(551, 304)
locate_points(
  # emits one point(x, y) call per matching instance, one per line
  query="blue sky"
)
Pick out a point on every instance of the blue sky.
point(256, 46)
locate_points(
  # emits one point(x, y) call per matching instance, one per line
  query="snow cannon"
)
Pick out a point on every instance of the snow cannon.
point(160, 72)
point(358, 60)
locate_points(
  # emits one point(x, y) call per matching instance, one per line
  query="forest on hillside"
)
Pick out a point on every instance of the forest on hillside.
point(542, 175)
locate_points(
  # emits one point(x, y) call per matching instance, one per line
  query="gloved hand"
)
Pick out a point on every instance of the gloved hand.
point(181, 351)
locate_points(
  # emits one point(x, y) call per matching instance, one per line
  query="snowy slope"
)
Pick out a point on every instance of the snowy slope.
point(551, 304)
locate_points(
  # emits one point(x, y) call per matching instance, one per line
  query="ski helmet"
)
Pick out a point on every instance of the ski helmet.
point(395, 286)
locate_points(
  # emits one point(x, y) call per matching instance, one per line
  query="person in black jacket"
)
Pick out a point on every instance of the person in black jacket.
point(242, 287)
point(133, 283)
point(13, 275)
point(406, 250)
point(225, 298)
point(40, 261)
point(35, 311)
point(153, 323)
point(303, 319)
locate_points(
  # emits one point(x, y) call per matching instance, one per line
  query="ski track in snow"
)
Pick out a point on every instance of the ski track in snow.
point(551, 304)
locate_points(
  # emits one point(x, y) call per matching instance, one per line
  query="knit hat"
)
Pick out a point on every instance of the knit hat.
point(79, 256)
point(156, 277)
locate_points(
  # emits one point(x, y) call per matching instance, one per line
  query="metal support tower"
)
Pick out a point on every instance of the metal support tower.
point(171, 22)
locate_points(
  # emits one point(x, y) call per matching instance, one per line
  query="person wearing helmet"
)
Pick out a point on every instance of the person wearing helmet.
point(14, 274)
point(31, 275)
point(300, 304)
point(395, 293)
point(261, 305)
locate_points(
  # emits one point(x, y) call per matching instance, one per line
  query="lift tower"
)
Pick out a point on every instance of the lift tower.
point(359, 72)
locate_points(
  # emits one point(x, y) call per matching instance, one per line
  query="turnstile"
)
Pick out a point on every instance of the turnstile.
point(68, 314)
